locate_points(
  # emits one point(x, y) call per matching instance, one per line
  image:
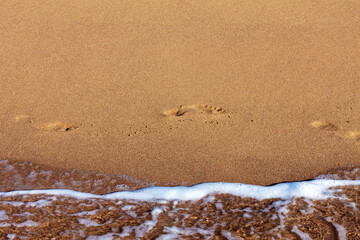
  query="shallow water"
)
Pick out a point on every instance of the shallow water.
point(324, 208)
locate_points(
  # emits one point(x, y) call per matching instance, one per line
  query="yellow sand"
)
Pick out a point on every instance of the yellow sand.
point(182, 91)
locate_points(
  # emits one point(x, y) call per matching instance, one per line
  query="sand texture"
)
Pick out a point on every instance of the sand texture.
point(216, 216)
point(227, 217)
point(182, 92)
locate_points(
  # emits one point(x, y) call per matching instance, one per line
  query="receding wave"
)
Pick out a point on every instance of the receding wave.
point(89, 205)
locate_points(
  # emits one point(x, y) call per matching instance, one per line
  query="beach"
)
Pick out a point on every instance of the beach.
point(51, 203)
point(177, 93)
point(110, 70)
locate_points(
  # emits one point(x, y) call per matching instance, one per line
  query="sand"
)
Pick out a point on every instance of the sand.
point(224, 217)
point(326, 208)
point(182, 92)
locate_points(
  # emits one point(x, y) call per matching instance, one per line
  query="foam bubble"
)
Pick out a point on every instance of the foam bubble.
point(314, 189)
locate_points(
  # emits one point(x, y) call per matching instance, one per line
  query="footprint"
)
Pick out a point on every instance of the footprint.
point(177, 112)
point(23, 117)
point(324, 126)
point(57, 127)
point(345, 134)
point(353, 135)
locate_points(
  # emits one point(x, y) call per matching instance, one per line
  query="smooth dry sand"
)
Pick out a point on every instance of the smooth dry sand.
point(269, 89)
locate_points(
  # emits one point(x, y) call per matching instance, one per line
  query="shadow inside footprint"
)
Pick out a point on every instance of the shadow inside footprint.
point(193, 108)
point(324, 126)
point(345, 134)
point(57, 127)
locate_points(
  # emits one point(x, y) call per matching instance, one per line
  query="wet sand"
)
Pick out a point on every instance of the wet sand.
point(182, 92)
point(69, 215)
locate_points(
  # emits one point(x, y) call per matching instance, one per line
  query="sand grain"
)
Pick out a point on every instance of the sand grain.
point(98, 85)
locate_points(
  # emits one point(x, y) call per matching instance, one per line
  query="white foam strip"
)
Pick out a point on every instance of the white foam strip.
point(303, 235)
point(314, 189)
point(340, 229)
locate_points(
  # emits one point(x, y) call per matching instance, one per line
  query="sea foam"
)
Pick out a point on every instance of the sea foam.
point(313, 189)
point(95, 208)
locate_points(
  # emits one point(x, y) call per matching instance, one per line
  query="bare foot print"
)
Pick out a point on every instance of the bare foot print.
point(178, 113)
point(204, 108)
point(57, 127)
point(324, 126)
point(353, 135)
point(23, 118)
point(345, 134)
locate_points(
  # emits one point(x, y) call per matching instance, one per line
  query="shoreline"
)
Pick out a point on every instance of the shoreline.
point(27, 176)
point(318, 209)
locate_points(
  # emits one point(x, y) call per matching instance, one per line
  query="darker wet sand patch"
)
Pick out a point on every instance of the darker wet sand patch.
point(216, 216)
